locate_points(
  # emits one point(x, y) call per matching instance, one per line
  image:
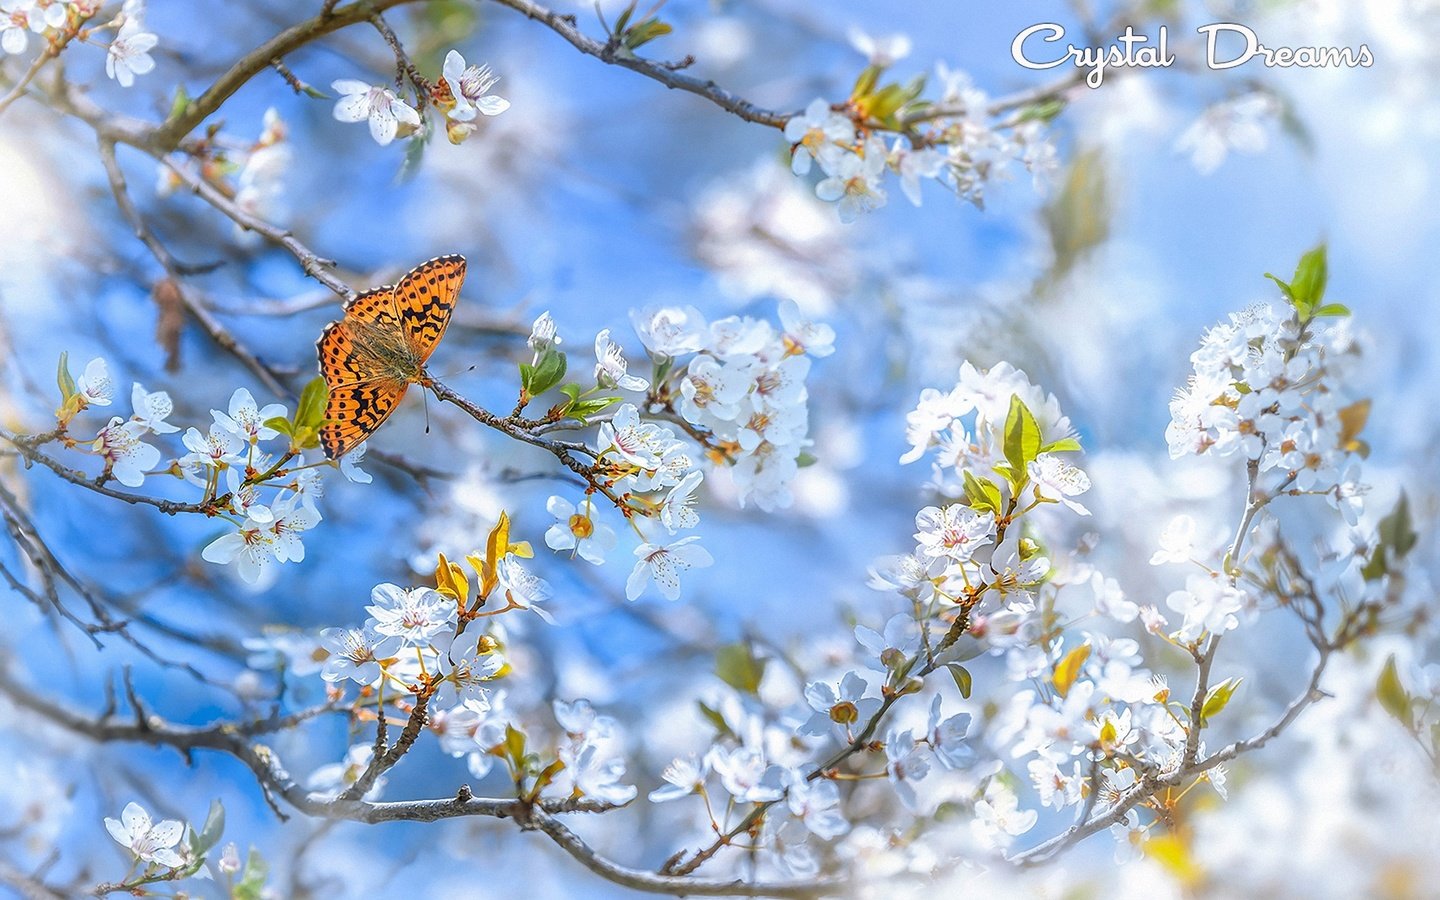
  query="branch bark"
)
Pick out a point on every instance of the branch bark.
point(236, 739)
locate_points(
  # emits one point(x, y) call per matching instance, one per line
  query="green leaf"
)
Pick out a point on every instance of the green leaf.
point(547, 372)
point(209, 835)
point(414, 155)
point(646, 32)
point(586, 408)
point(1043, 111)
point(1307, 287)
point(1284, 287)
point(1078, 218)
point(515, 746)
point(280, 424)
point(1333, 309)
point(1218, 698)
point(1068, 669)
point(982, 493)
point(712, 715)
point(625, 15)
point(311, 411)
point(1022, 440)
point(806, 458)
point(1393, 696)
point(1397, 530)
point(1396, 538)
point(1064, 445)
point(252, 880)
point(737, 666)
point(866, 82)
point(180, 104)
point(885, 102)
point(963, 681)
point(65, 380)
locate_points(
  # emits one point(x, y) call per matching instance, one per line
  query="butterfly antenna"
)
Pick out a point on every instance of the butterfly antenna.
point(425, 395)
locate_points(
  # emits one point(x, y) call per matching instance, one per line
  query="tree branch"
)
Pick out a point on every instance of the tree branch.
point(207, 320)
point(235, 739)
point(669, 76)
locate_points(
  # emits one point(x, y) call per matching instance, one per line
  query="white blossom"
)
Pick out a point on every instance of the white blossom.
point(471, 87)
point(664, 563)
point(610, 365)
point(151, 842)
point(129, 54)
point(386, 113)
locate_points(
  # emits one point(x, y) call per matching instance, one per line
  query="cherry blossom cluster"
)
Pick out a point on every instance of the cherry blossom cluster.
point(789, 767)
point(267, 494)
point(462, 95)
point(739, 383)
point(951, 139)
point(1085, 720)
point(734, 387)
point(1268, 385)
point(57, 23)
point(436, 654)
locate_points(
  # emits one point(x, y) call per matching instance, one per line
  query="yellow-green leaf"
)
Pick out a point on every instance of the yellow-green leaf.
point(963, 681)
point(1218, 698)
point(1068, 669)
point(1174, 856)
point(450, 580)
point(737, 666)
point(64, 379)
point(1393, 696)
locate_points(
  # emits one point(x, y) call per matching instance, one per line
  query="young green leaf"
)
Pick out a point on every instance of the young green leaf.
point(252, 880)
point(210, 833)
point(713, 716)
point(1022, 440)
point(1218, 698)
point(1396, 537)
point(65, 380)
point(982, 493)
point(280, 424)
point(737, 666)
point(310, 413)
point(583, 409)
point(515, 746)
point(1307, 287)
point(963, 681)
point(1393, 696)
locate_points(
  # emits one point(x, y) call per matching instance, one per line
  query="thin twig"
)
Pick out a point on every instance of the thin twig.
point(235, 740)
point(218, 333)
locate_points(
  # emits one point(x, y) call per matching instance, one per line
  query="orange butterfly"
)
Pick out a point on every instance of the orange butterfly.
point(371, 356)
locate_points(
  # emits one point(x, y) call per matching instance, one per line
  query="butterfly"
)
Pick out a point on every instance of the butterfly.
point(371, 355)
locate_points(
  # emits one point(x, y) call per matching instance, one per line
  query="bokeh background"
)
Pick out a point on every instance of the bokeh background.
point(599, 192)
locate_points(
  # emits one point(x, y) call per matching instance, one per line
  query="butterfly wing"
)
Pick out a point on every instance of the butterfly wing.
point(424, 300)
point(360, 399)
point(354, 411)
point(376, 306)
point(358, 373)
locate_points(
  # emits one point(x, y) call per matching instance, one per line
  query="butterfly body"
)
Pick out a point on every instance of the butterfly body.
point(371, 356)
